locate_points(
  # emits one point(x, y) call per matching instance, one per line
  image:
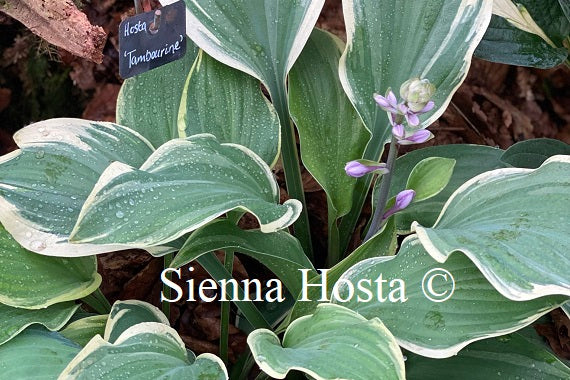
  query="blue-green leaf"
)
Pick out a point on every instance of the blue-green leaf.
point(229, 104)
point(184, 185)
point(437, 317)
point(330, 131)
point(44, 184)
point(125, 314)
point(36, 354)
point(512, 356)
point(23, 273)
point(332, 343)
point(261, 38)
point(13, 320)
point(391, 41)
point(147, 350)
point(278, 251)
point(513, 224)
point(148, 103)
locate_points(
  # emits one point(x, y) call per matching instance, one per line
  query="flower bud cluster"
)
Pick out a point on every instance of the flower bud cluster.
point(416, 94)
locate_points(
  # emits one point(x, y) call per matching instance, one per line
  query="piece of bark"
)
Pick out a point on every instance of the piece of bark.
point(60, 23)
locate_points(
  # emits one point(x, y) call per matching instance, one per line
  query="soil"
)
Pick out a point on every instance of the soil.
point(498, 105)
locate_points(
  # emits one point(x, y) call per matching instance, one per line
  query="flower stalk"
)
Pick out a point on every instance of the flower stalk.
point(377, 218)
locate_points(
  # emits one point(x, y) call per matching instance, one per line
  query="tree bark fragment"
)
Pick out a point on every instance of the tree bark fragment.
point(60, 23)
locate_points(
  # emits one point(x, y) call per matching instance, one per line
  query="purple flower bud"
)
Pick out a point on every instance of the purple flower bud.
point(403, 200)
point(412, 119)
point(419, 137)
point(360, 168)
point(398, 131)
point(429, 106)
point(388, 103)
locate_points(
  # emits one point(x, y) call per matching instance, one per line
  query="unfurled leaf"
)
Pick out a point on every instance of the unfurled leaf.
point(147, 350)
point(44, 184)
point(148, 103)
point(68, 278)
point(13, 320)
point(333, 343)
point(470, 160)
point(382, 53)
point(229, 104)
point(84, 329)
point(278, 251)
point(540, 45)
point(467, 309)
point(532, 153)
point(330, 131)
point(36, 353)
point(184, 185)
point(510, 356)
point(125, 314)
point(258, 37)
point(513, 224)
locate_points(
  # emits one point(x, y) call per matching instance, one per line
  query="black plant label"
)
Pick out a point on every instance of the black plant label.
point(152, 39)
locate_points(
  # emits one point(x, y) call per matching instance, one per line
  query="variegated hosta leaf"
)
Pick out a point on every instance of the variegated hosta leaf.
point(230, 105)
point(147, 350)
point(44, 184)
point(513, 224)
point(332, 343)
point(278, 251)
point(182, 186)
point(262, 38)
point(84, 329)
point(148, 103)
point(330, 130)
point(518, 16)
point(36, 353)
point(391, 41)
point(470, 160)
point(526, 33)
point(566, 308)
point(125, 314)
point(13, 320)
point(511, 356)
point(23, 274)
point(438, 329)
point(384, 243)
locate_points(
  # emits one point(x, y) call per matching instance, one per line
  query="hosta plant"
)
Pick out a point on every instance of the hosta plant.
point(466, 246)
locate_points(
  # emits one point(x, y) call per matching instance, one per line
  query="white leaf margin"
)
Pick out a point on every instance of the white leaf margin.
point(502, 287)
point(57, 327)
point(213, 46)
point(264, 366)
point(112, 320)
point(442, 353)
point(27, 233)
point(117, 169)
point(140, 328)
point(479, 28)
point(566, 308)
